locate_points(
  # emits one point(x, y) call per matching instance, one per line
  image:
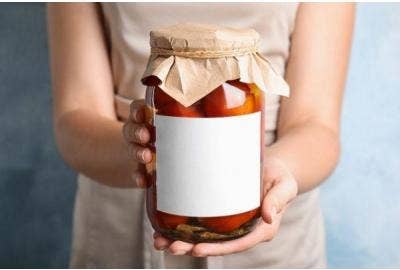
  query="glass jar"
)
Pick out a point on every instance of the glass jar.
point(241, 107)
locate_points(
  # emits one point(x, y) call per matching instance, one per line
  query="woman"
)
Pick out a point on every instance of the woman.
point(98, 54)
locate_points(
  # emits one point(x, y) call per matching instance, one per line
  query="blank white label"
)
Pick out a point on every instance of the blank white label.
point(208, 166)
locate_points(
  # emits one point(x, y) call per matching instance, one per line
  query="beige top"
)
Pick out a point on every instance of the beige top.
point(111, 228)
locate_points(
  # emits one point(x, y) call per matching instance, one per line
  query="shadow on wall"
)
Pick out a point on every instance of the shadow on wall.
point(360, 201)
point(36, 188)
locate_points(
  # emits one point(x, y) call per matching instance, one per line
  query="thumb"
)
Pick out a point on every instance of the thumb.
point(277, 198)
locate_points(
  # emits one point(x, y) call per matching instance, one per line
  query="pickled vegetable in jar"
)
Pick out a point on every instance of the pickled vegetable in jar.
point(205, 111)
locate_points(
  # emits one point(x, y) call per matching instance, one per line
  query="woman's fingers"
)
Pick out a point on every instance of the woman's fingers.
point(140, 154)
point(139, 179)
point(174, 247)
point(262, 232)
point(161, 243)
point(180, 248)
point(136, 133)
point(137, 111)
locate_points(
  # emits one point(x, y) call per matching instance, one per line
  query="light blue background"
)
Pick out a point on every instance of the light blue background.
point(360, 201)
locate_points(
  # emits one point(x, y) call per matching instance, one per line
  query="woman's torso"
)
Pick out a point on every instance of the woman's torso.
point(110, 226)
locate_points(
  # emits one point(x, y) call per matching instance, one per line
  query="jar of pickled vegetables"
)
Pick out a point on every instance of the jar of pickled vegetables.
point(205, 101)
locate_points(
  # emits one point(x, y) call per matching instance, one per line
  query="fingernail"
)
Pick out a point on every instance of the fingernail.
point(178, 252)
point(196, 254)
point(139, 134)
point(138, 115)
point(158, 247)
point(141, 154)
point(162, 248)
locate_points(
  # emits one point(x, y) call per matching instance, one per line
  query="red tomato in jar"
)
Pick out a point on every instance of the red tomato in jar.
point(177, 109)
point(169, 221)
point(161, 98)
point(240, 85)
point(158, 218)
point(166, 105)
point(228, 223)
point(227, 100)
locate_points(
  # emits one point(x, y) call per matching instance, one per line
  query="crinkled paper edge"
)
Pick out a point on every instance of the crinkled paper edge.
point(177, 81)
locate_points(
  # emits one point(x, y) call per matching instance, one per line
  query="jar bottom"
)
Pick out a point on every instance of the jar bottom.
point(194, 233)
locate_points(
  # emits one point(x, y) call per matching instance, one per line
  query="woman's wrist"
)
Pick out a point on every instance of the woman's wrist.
point(310, 151)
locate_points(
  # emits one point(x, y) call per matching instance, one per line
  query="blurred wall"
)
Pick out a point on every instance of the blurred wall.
point(360, 201)
point(36, 188)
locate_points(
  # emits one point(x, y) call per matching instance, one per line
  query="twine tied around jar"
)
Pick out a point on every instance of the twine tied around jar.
point(204, 53)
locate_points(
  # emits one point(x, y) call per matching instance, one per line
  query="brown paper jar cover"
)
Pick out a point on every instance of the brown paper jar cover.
point(191, 60)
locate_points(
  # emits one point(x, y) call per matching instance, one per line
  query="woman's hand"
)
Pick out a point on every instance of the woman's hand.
point(137, 135)
point(279, 188)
